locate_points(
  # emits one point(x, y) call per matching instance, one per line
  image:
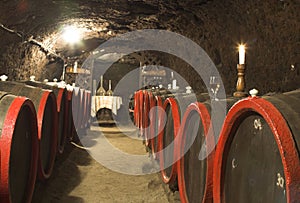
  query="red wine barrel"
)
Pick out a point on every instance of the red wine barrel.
point(156, 127)
point(166, 138)
point(45, 105)
point(153, 125)
point(136, 108)
point(18, 148)
point(76, 112)
point(141, 112)
point(82, 116)
point(61, 99)
point(88, 107)
point(194, 175)
point(146, 120)
point(257, 157)
point(70, 123)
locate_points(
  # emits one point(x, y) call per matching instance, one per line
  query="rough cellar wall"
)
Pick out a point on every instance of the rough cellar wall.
point(270, 28)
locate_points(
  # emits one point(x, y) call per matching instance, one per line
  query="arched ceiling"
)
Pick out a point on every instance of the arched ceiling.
point(268, 27)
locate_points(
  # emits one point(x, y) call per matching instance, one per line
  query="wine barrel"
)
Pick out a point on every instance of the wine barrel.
point(136, 108)
point(146, 118)
point(45, 105)
point(194, 175)
point(61, 99)
point(70, 123)
point(18, 148)
point(88, 107)
point(156, 125)
point(77, 112)
point(166, 145)
point(141, 112)
point(257, 157)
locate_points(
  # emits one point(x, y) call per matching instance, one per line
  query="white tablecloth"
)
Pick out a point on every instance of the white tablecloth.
point(109, 102)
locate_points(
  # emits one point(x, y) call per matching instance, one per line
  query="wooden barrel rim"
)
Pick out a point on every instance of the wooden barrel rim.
point(141, 117)
point(200, 109)
point(176, 118)
point(136, 108)
point(282, 136)
point(6, 140)
point(153, 120)
point(42, 172)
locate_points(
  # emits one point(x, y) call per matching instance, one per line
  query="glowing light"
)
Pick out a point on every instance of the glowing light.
point(242, 52)
point(71, 34)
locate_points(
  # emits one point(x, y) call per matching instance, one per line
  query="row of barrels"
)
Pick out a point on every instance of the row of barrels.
point(254, 158)
point(35, 121)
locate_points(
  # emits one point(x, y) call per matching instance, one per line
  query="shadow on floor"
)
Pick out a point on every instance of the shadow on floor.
point(65, 177)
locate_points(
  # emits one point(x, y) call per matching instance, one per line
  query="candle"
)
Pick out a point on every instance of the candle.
point(174, 84)
point(242, 54)
point(75, 66)
point(101, 80)
point(109, 84)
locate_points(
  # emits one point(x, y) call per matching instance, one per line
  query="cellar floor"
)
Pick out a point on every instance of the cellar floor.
point(77, 177)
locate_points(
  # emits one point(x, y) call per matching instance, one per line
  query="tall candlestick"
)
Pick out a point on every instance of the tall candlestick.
point(242, 54)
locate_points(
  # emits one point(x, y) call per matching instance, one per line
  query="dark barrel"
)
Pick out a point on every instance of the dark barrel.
point(45, 105)
point(194, 175)
point(61, 99)
point(18, 147)
point(196, 145)
point(171, 118)
point(155, 126)
point(70, 119)
point(136, 108)
point(146, 119)
point(257, 157)
point(141, 112)
point(87, 112)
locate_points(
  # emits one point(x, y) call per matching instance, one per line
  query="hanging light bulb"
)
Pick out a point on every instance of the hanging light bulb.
point(71, 34)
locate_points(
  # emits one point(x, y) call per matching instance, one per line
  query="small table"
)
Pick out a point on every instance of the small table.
point(110, 102)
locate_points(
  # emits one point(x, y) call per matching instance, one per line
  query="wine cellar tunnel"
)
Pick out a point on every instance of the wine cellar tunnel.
point(117, 99)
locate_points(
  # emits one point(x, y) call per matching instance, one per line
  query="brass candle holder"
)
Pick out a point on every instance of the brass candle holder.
point(240, 84)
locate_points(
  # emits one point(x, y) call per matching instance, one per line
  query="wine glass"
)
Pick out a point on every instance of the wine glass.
point(214, 82)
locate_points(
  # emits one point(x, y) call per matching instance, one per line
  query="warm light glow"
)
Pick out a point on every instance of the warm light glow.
point(71, 34)
point(242, 52)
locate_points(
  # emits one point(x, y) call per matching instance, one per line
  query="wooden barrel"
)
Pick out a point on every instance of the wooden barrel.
point(70, 123)
point(257, 157)
point(18, 148)
point(154, 115)
point(156, 127)
point(76, 107)
point(141, 113)
point(61, 99)
point(166, 137)
point(194, 175)
point(88, 107)
point(136, 108)
point(83, 116)
point(146, 118)
point(45, 105)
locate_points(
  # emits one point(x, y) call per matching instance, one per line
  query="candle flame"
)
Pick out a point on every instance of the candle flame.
point(242, 47)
